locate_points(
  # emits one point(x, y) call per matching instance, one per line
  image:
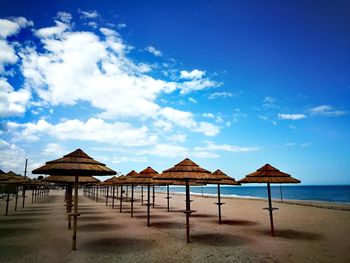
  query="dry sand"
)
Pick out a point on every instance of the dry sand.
point(38, 233)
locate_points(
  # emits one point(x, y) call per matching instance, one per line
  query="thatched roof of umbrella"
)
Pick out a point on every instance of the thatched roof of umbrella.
point(74, 163)
point(186, 170)
point(70, 179)
point(143, 177)
point(221, 178)
point(13, 178)
point(269, 174)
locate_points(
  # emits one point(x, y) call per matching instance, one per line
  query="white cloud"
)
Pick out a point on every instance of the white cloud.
point(176, 151)
point(223, 94)
point(194, 74)
point(186, 119)
point(178, 137)
point(121, 25)
point(210, 146)
point(54, 149)
point(208, 115)
point(9, 27)
point(153, 51)
point(269, 102)
point(12, 26)
point(294, 117)
point(328, 111)
point(97, 130)
point(12, 157)
point(64, 17)
point(264, 118)
point(76, 66)
point(192, 100)
point(88, 14)
point(12, 103)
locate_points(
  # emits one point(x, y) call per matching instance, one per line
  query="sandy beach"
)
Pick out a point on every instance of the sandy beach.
point(38, 233)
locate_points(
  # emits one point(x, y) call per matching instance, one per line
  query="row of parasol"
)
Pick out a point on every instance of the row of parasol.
point(78, 164)
point(10, 183)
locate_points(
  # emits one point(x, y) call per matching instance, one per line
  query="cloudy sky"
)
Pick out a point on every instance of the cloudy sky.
point(148, 83)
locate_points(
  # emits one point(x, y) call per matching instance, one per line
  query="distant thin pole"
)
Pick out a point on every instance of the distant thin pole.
point(25, 168)
point(281, 193)
point(113, 193)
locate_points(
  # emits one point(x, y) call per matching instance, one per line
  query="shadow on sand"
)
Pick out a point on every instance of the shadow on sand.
point(221, 240)
point(203, 216)
point(151, 216)
point(117, 245)
point(98, 227)
point(18, 221)
point(93, 218)
point(10, 232)
point(237, 222)
point(298, 235)
point(168, 225)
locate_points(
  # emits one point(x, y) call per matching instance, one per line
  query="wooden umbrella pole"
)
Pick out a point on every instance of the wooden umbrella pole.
point(117, 191)
point(113, 192)
point(153, 196)
point(270, 209)
point(16, 198)
point(167, 196)
point(188, 208)
point(74, 245)
point(141, 194)
point(23, 196)
point(107, 196)
point(97, 189)
point(219, 203)
point(7, 204)
point(148, 203)
point(69, 204)
point(132, 200)
point(121, 199)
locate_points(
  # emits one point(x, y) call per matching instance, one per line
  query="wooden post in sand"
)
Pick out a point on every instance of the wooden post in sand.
point(153, 196)
point(219, 204)
point(270, 209)
point(132, 200)
point(167, 197)
point(188, 211)
point(75, 214)
point(113, 194)
point(107, 196)
point(121, 199)
point(148, 203)
point(7, 204)
point(142, 195)
point(16, 197)
point(23, 196)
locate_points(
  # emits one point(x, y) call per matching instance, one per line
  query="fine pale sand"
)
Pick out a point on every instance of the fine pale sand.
point(38, 233)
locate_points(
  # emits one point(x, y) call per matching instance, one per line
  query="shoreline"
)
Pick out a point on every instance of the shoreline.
point(342, 206)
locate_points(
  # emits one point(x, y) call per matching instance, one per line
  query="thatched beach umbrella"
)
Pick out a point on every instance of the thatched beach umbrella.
point(187, 171)
point(68, 181)
point(132, 174)
point(221, 179)
point(76, 164)
point(120, 181)
point(145, 178)
point(269, 175)
point(10, 182)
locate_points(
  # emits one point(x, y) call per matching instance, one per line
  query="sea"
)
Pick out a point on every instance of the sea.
point(325, 193)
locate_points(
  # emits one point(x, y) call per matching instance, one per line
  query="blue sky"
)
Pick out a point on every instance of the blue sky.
point(148, 83)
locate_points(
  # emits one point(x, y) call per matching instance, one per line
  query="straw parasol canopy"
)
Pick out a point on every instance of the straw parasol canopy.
point(270, 175)
point(76, 163)
point(188, 171)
